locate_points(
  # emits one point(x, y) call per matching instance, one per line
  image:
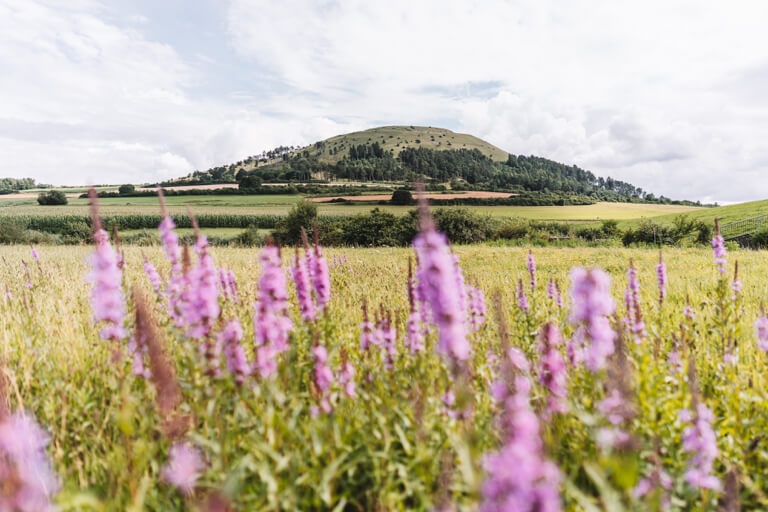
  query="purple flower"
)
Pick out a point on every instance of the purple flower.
point(632, 300)
point(230, 339)
point(107, 300)
point(532, 270)
point(477, 309)
point(761, 330)
point(303, 289)
point(522, 300)
point(323, 376)
point(27, 482)
point(347, 379)
point(199, 303)
point(271, 323)
point(184, 467)
point(232, 283)
point(552, 371)
point(414, 337)
point(437, 278)
point(700, 441)
point(591, 303)
point(519, 477)
point(153, 276)
point(661, 275)
point(718, 249)
point(34, 253)
point(461, 288)
point(321, 277)
point(551, 292)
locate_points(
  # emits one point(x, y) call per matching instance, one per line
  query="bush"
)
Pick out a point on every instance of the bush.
point(302, 215)
point(461, 226)
point(54, 197)
point(511, 230)
point(75, 232)
point(379, 228)
point(402, 197)
point(126, 189)
point(249, 238)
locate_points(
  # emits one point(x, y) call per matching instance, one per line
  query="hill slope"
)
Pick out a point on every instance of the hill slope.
point(725, 214)
point(397, 138)
point(437, 156)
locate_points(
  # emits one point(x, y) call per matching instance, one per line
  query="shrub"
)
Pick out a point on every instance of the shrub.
point(378, 228)
point(511, 230)
point(126, 189)
point(54, 197)
point(462, 226)
point(302, 215)
point(250, 238)
point(402, 197)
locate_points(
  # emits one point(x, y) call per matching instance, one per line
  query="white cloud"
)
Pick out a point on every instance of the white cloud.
point(665, 94)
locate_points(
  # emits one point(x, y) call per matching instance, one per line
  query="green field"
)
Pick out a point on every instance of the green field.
point(725, 214)
point(264, 448)
point(281, 204)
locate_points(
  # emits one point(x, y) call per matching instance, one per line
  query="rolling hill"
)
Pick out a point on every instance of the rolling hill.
point(437, 156)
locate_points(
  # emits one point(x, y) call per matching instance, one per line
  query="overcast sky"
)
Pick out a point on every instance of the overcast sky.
point(669, 95)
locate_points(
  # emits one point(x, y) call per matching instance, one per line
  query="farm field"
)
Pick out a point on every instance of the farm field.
point(281, 204)
point(414, 430)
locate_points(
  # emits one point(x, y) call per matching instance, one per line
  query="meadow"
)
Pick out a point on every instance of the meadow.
point(281, 205)
point(507, 382)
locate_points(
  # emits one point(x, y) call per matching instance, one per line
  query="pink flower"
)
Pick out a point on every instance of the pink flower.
point(477, 309)
point(552, 372)
point(323, 376)
point(230, 339)
point(532, 270)
point(303, 289)
point(271, 323)
point(184, 467)
point(591, 304)
point(347, 379)
point(23, 463)
point(761, 330)
point(321, 278)
point(437, 281)
point(107, 300)
point(661, 274)
point(519, 477)
point(522, 300)
point(153, 276)
point(700, 441)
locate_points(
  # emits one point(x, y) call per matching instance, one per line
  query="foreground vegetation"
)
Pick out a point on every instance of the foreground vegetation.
point(343, 405)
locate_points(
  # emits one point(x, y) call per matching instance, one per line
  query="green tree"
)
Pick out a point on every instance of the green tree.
point(302, 215)
point(126, 189)
point(54, 197)
point(402, 197)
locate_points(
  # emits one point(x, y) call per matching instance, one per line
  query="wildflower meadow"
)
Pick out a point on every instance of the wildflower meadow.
point(434, 378)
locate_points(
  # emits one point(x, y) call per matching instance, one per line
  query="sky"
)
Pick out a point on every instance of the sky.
point(670, 95)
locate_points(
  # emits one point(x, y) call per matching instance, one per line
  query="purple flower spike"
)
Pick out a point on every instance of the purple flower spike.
point(532, 270)
point(700, 441)
point(519, 477)
point(718, 249)
point(661, 275)
point(761, 330)
point(522, 300)
point(591, 304)
point(230, 339)
point(303, 288)
point(184, 467)
point(27, 482)
point(553, 373)
point(437, 278)
point(271, 323)
point(107, 299)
